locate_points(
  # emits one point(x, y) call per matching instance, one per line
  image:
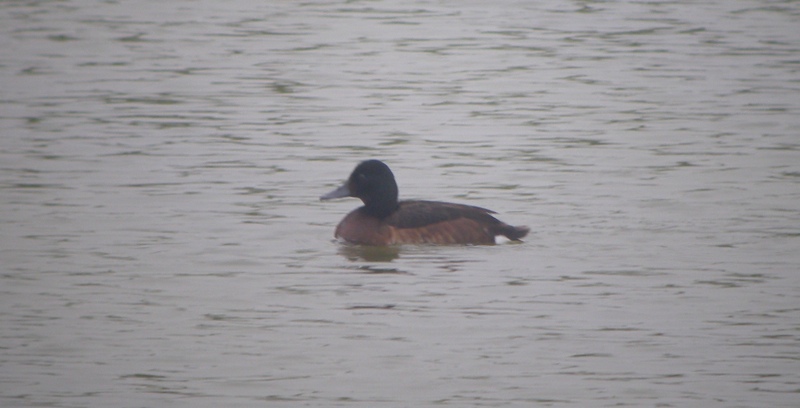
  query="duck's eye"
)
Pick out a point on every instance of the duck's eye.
point(362, 177)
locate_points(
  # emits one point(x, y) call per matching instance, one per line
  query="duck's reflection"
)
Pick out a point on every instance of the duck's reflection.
point(370, 253)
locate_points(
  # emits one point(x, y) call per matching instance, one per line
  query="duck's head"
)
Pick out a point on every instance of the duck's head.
point(373, 182)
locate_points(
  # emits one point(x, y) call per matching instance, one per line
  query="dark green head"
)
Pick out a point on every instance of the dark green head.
point(373, 182)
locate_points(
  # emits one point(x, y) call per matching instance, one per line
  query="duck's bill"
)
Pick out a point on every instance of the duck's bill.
point(340, 192)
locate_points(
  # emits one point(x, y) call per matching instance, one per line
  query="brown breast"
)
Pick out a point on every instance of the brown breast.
point(359, 228)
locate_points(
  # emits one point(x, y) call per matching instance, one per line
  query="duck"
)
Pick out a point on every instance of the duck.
point(384, 220)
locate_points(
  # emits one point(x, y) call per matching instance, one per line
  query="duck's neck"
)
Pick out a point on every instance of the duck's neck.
point(382, 204)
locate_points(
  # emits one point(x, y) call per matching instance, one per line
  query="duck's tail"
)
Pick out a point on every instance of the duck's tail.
point(514, 233)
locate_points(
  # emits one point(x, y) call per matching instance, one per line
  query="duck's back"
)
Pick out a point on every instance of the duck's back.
point(432, 222)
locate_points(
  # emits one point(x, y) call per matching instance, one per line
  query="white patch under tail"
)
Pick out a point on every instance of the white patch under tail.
point(501, 239)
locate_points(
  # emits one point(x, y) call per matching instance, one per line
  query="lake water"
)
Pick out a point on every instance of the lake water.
point(162, 242)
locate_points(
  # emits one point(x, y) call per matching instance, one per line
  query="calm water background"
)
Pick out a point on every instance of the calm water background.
point(163, 245)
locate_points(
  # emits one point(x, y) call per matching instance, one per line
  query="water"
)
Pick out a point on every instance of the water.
point(163, 245)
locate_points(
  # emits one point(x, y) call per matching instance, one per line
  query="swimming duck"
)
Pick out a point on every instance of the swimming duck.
point(383, 220)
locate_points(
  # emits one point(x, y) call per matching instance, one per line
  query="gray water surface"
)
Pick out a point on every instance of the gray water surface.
point(162, 243)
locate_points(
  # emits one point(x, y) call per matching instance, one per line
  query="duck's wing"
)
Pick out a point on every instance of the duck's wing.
point(418, 213)
point(442, 223)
